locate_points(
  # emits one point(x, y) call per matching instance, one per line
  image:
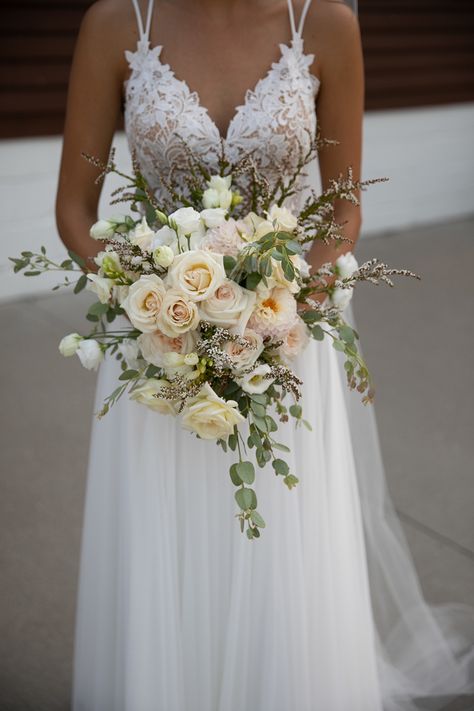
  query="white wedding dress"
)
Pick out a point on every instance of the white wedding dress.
point(177, 610)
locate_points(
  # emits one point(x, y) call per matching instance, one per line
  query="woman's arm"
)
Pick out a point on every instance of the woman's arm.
point(334, 32)
point(93, 107)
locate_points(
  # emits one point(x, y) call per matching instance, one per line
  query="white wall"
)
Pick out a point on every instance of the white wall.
point(428, 154)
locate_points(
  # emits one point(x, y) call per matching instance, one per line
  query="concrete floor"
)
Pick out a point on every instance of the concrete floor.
point(418, 340)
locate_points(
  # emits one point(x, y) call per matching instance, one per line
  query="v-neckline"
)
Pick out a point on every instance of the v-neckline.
point(143, 44)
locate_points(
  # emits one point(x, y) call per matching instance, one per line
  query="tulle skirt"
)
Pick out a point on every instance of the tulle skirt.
point(178, 611)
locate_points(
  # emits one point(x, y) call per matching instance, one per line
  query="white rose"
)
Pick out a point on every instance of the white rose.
point(90, 353)
point(230, 306)
point(213, 217)
point(346, 265)
point(163, 256)
point(69, 344)
point(154, 346)
point(142, 236)
point(257, 381)
point(178, 314)
point(210, 416)
point(241, 356)
point(284, 219)
point(198, 274)
point(187, 220)
point(101, 286)
point(146, 394)
point(295, 341)
point(341, 297)
point(143, 302)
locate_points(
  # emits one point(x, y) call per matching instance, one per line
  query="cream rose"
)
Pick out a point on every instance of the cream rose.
point(147, 394)
point(209, 416)
point(143, 302)
point(155, 345)
point(198, 274)
point(178, 314)
point(241, 356)
point(230, 306)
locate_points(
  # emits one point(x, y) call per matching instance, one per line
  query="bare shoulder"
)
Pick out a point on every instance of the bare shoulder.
point(331, 30)
point(112, 23)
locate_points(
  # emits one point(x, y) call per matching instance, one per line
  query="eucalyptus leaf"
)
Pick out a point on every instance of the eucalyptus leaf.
point(246, 472)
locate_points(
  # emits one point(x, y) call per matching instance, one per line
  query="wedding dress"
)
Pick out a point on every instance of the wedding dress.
point(177, 610)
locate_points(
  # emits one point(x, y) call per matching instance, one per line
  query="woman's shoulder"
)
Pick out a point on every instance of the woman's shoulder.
point(111, 22)
point(331, 30)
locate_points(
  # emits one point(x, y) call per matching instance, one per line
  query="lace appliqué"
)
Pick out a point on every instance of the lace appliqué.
point(276, 121)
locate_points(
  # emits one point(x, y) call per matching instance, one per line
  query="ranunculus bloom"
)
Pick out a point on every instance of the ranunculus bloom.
point(178, 314)
point(210, 416)
point(143, 302)
point(274, 313)
point(295, 341)
point(198, 274)
point(224, 239)
point(230, 306)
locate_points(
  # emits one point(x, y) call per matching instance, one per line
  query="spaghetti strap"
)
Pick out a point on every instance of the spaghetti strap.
point(144, 31)
point(304, 12)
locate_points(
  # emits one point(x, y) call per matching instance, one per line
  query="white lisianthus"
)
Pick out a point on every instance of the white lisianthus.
point(142, 236)
point(341, 297)
point(295, 341)
point(131, 352)
point(178, 314)
point(163, 256)
point(198, 274)
point(218, 193)
point(175, 364)
point(257, 381)
point(282, 218)
point(69, 344)
point(278, 277)
point(224, 239)
point(247, 226)
point(346, 265)
point(90, 353)
point(147, 394)
point(143, 302)
point(301, 265)
point(274, 313)
point(191, 359)
point(102, 229)
point(210, 416)
point(154, 346)
point(109, 263)
point(120, 292)
point(262, 228)
point(213, 216)
point(187, 220)
point(241, 356)
point(101, 286)
point(230, 306)
point(219, 182)
point(165, 236)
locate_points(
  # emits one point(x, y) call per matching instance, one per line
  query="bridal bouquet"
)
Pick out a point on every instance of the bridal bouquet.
point(220, 302)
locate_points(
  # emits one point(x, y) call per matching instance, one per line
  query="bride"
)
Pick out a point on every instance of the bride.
point(177, 611)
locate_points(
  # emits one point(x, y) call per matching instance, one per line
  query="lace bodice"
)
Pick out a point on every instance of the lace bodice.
point(276, 121)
